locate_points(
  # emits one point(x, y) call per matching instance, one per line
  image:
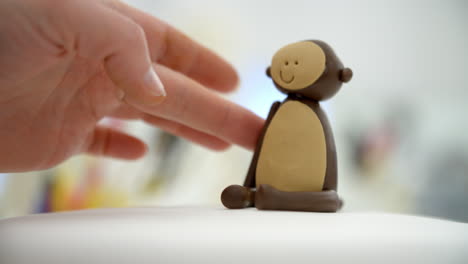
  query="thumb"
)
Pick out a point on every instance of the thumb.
point(122, 46)
point(130, 69)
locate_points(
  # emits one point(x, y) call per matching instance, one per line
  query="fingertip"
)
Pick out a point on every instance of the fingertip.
point(234, 83)
point(128, 148)
point(220, 146)
point(245, 129)
point(228, 80)
point(112, 143)
point(214, 72)
point(145, 149)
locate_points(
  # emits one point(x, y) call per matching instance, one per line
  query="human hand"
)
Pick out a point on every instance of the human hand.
point(66, 64)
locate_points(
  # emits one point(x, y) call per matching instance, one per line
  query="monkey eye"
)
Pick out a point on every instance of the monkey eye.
point(296, 62)
point(286, 63)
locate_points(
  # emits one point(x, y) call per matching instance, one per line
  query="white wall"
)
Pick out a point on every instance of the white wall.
point(409, 60)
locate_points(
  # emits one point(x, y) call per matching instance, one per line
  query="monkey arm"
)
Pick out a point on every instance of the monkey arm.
point(250, 178)
point(331, 177)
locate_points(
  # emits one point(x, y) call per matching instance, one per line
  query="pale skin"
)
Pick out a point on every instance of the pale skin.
point(66, 64)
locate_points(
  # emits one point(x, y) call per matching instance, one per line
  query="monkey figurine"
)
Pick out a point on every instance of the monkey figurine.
point(294, 166)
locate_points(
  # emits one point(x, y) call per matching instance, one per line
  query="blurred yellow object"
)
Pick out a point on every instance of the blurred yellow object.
point(105, 197)
point(64, 181)
point(79, 184)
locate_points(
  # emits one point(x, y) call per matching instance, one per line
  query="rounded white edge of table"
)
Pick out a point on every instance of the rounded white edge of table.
point(218, 235)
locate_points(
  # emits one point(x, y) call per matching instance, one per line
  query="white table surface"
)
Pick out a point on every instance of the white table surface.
point(217, 235)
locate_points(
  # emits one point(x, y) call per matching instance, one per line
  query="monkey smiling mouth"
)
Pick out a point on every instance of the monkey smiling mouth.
point(281, 76)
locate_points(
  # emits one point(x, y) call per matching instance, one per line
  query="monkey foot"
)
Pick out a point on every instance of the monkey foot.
point(237, 197)
point(270, 198)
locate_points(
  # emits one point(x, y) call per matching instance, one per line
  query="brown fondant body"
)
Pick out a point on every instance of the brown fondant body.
point(294, 166)
point(329, 174)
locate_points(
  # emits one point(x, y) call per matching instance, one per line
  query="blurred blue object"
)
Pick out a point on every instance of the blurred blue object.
point(3, 180)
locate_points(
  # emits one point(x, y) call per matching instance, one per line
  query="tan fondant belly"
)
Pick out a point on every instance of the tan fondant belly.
point(293, 153)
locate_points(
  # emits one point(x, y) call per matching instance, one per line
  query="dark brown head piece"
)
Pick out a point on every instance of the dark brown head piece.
point(308, 68)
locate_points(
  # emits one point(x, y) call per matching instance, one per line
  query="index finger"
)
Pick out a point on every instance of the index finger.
point(188, 103)
point(177, 51)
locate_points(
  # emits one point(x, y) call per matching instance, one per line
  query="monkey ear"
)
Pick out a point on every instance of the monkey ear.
point(268, 73)
point(346, 75)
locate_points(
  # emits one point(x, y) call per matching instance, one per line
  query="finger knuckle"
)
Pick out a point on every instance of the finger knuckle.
point(224, 121)
point(133, 34)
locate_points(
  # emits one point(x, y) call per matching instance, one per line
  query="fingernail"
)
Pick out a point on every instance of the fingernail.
point(153, 82)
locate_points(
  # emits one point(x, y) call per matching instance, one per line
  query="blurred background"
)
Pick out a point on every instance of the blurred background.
point(400, 125)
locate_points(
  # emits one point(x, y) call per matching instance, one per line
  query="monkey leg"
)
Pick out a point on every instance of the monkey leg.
point(238, 197)
point(270, 198)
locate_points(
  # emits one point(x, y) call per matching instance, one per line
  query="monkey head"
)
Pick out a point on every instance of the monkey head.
point(308, 68)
